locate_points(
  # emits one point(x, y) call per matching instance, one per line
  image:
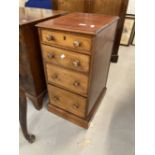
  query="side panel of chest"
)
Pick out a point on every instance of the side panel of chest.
point(103, 45)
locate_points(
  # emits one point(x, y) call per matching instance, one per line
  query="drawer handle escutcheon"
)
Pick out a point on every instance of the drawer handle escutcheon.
point(76, 83)
point(64, 37)
point(50, 55)
point(50, 37)
point(76, 63)
point(54, 77)
point(56, 98)
point(76, 106)
point(76, 43)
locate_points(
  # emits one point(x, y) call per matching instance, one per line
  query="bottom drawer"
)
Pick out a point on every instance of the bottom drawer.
point(68, 101)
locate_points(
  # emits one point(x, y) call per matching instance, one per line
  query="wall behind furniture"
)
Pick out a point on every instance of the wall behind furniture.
point(131, 7)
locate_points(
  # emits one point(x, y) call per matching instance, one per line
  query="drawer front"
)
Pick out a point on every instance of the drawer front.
point(68, 101)
point(70, 40)
point(68, 59)
point(73, 81)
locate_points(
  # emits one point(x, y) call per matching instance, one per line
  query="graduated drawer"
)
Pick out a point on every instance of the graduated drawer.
point(68, 59)
point(71, 80)
point(68, 101)
point(66, 39)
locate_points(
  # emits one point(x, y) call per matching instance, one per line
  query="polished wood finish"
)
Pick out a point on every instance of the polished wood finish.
point(68, 101)
point(75, 22)
point(67, 86)
point(71, 6)
point(61, 57)
point(33, 15)
point(73, 118)
point(30, 62)
point(108, 7)
point(66, 39)
point(100, 62)
point(70, 80)
point(23, 116)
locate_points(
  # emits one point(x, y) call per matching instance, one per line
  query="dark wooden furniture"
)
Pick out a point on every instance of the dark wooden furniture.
point(108, 7)
point(32, 82)
point(76, 50)
point(31, 67)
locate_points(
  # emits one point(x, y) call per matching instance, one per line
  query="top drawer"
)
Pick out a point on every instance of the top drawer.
point(66, 39)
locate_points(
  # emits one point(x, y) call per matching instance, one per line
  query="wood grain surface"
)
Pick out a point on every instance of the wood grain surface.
point(86, 23)
point(68, 101)
point(66, 39)
point(66, 58)
point(73, 81)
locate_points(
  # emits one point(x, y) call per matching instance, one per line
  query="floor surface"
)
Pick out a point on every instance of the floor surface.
point(111, 131)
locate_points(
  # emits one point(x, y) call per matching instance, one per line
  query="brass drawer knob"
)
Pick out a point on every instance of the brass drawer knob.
point(76, 43)
point(50, 37)
point(62, 56)
point(76, 106)
point(56, 98)
point(76, 63)
point(76, 83)
point(50, 55)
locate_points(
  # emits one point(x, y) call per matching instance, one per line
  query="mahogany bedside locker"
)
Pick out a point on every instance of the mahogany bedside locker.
point(76, 52)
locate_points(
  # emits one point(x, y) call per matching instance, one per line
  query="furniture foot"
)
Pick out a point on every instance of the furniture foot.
point(30, 138)
point(114, 58)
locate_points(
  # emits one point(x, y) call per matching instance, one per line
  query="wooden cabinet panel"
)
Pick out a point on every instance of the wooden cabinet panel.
point(100, 66)
point(25, 73)
point(68, 101)
point(65, 58)
point(73, 81)
point(69, 40)
point(70, 6)
point(109, 7)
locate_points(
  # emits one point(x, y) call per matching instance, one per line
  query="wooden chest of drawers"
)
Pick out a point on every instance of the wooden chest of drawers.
point(76, 51)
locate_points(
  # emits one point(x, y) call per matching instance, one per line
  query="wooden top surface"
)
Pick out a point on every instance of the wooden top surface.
point(80, 22)
point(29, 15)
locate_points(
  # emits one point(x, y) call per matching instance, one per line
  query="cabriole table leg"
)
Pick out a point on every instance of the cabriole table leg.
point(23, 115)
